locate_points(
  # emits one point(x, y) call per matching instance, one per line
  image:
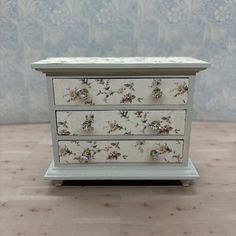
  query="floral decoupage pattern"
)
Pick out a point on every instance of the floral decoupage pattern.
point(161, 151)
point(122, 91)
point(121, 122)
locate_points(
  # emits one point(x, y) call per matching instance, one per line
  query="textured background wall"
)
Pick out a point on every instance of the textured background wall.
point(32, 30)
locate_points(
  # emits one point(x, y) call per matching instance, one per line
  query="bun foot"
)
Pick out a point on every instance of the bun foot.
point(186, 183)
point(58, 183)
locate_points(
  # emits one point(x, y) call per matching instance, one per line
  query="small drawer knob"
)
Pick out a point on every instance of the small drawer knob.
point(157, 93)
point(159, 128)
point(86, 156)
point(154, 154)
point(87, 125)
point(83, 94)
point(155, 125)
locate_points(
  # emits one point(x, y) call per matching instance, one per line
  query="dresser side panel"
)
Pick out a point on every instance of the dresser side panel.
point(188, 123)
point(52, 113)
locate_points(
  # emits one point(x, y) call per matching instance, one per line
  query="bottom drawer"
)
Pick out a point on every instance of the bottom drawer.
point(158, 151)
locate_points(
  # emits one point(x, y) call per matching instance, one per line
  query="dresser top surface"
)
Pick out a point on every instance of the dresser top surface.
point(119, 62)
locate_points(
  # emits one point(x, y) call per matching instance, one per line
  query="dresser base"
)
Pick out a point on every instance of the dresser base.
point(185, 174)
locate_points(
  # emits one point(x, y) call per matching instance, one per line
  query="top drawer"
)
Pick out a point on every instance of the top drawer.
point(120, 91)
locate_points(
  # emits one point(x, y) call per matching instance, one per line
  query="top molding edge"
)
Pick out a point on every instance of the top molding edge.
point(119, 63)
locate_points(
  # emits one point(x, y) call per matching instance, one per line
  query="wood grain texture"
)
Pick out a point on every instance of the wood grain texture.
point(30, 205)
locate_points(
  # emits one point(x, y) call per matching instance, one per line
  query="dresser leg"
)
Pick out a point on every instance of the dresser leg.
point(186, 183)
point(58, 183)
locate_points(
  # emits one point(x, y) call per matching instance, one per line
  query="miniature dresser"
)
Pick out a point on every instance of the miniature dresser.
point(121, 118)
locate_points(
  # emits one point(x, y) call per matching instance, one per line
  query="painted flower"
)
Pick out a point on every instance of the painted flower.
point(128, 98)
point(113, 126)
point(106, 91)
point(165, 129)
point(63, 128)
point(140, 144)
point(85, 82)
point(87, 124)
point(73, 94)
point(155, 83)
point(181, 89)
point(124, 114)
point(63, 151)
point(113, 155)
point(157, 153)
point(164, 148)
point(139, 114)
point(178, 157)
point(64, 132)
point(130, 86)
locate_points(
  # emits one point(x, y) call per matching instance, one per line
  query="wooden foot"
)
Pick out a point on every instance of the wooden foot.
point(58, 183)
point(186, 183)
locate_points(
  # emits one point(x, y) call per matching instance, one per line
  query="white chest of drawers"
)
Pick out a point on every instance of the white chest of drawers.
point(121, 118)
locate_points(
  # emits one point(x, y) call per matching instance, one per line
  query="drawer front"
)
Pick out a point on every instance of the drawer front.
point(121, 122)
point(120, 91)
point(158, 151)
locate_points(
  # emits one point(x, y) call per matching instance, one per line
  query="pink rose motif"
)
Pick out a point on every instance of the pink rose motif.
point(127, 98)
point(113, 155)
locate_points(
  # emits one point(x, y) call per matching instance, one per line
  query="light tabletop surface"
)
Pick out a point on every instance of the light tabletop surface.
point(120, 62)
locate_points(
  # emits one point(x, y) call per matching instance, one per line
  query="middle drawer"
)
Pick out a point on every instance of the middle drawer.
point(125, 122)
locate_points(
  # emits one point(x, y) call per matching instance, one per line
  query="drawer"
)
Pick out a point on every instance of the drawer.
point(158, 151)
point(123, 91)
point(148, 122)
